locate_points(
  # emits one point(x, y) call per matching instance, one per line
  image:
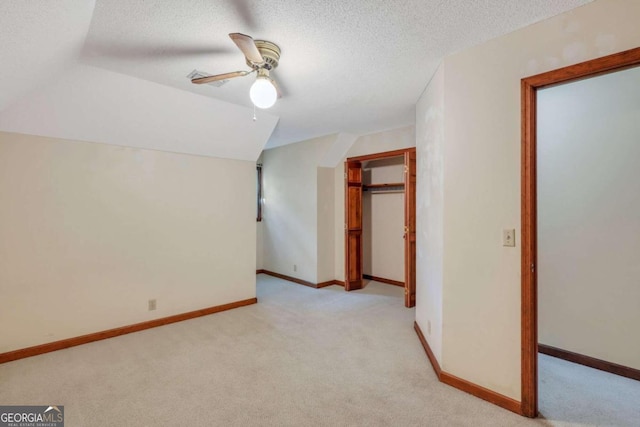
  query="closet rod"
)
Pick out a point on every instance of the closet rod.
point(393, 187)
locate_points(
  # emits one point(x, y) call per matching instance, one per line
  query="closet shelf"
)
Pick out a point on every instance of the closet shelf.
point(386, 188)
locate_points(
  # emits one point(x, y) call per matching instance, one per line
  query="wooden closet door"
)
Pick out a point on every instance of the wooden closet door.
point(353, 225)
point(410, 228)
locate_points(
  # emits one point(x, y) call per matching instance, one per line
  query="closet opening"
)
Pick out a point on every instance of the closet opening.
point(380, 235)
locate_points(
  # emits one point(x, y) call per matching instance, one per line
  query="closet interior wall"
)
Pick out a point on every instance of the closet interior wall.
point(383, 219)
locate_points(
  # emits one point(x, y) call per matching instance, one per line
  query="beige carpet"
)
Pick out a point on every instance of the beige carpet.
point(300, 357)
point(574, 395)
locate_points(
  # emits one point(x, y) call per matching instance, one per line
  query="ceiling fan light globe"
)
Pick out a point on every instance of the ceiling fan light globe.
point(263, 93)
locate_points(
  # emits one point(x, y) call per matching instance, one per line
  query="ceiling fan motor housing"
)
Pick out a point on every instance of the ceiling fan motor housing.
point(270, 53)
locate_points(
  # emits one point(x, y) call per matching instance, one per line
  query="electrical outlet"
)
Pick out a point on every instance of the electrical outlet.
point(152, 304)
point(429, 327)
point(295, 267)
point(509, 237)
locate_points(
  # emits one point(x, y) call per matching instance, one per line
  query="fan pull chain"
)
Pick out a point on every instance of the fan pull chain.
point(254, 113)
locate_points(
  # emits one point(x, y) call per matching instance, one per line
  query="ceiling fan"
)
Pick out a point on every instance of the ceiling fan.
point(261, 56)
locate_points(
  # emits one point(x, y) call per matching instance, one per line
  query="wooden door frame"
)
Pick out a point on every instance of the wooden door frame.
point(352, 224)
point(377, 156)
point(410, 248)
point(529, 233)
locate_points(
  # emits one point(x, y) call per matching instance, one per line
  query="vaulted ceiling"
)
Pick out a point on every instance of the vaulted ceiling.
point(347, 66)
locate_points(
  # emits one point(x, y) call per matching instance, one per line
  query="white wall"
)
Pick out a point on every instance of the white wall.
point(304, 204)
point(90, 232)
point(481, 164)
point(429, 211)
point(383, 222)
point(394, 139)
point(589, 217)
point(290, 226)
point(259, 246)
point(325, 224)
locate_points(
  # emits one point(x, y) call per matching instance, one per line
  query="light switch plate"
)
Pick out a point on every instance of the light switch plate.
point(509, 237)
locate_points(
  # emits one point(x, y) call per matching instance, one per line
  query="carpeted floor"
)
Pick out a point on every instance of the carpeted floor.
point(300, 357)
point(574, 395)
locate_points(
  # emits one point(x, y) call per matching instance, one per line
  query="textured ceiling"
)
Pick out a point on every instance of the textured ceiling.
point(346, 66)
point(349, 67)
point(37, 41)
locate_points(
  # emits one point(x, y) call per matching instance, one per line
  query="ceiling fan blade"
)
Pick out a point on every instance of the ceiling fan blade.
point(218, 77)
point(248, 47)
